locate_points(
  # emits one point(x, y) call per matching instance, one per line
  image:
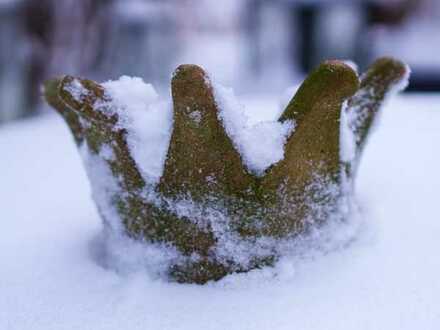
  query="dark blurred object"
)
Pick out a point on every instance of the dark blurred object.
point(339, 29)
point(394, 13)
point(336, 29)
point(390, 12)
point(322, 33)
point(38, 21)
point(13, 56)
point(43, 38)
point(104, 39)
point(65, 37)
point(306, 17)
point(98, 38)
point(424, 81)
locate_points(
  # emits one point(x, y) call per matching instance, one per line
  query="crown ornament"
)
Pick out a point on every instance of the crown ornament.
point(207, 206)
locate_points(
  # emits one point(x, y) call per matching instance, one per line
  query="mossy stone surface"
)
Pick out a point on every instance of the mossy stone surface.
point(201, 158)
point(313, 150)
point(51, 94)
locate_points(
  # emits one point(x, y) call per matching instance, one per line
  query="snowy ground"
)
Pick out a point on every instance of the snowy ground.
point(50, 276)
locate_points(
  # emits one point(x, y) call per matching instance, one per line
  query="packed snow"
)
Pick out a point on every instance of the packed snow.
point(53, 271)
point(260, 144)
point(148, 120)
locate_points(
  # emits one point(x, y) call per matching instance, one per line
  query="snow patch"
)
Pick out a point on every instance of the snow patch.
point(103, 184)
point(347, 137)
point(260, 145)
point(76, 89)
point(148, 121)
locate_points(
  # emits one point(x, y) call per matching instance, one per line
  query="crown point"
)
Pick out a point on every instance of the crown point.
point(332, 82)
point(201, 156)
point(385, 76)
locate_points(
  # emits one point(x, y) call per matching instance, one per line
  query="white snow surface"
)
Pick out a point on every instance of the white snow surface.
point(52, 262)
point(148, 120)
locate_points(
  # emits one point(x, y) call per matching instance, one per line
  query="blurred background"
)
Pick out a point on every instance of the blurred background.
point(255, 46)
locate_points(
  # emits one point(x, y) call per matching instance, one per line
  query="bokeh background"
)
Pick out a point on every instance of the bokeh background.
point(255, 46)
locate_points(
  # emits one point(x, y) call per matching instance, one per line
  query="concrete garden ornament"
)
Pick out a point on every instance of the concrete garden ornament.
point(214, 211)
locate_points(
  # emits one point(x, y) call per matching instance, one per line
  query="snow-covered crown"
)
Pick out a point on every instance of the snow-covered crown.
point(203, 198)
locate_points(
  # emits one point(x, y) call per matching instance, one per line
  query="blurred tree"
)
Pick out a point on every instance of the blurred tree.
point(318, 29)
point(13, 53)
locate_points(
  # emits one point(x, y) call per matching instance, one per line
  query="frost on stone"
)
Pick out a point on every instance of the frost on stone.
point(195, 189)
point(384, 77)
point(76, 90)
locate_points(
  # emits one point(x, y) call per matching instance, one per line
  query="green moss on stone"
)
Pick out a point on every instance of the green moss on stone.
point(51, 94)
point(313, 150)
point(201, 158)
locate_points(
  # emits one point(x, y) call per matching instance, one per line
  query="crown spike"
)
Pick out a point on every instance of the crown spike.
point(201, 158)
point(79, 98)
point(376, 83)
point(312, 151)
point(51, 94)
